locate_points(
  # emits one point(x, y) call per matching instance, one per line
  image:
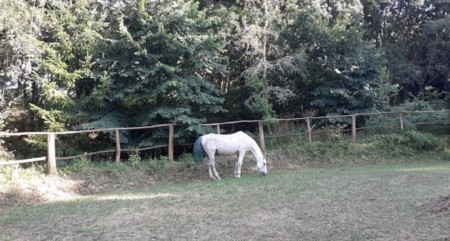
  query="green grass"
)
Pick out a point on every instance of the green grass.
point(380, 202)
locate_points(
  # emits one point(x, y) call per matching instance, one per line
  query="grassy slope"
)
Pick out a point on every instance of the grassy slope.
point(388, 202)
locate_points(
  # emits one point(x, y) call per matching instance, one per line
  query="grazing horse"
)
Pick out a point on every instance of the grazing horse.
point(237, 143)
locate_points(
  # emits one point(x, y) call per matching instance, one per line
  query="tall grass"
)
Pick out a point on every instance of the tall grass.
point(373, 148)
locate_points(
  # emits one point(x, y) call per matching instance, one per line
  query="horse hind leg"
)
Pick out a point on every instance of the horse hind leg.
point(210, 172)
point(216, 174)
point(212, 168)
point(209, 168)
point(209, 164)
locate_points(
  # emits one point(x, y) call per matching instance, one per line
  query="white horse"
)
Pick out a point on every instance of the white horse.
point(237, 143)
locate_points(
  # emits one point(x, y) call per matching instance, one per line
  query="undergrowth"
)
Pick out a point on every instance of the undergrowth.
point(371, 149)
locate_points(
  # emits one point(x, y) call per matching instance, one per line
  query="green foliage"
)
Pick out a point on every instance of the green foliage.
point(417, 46)
point(157, 70)
point(134, 159)
point(409, 142)
point(157, 166)
point(4, 153)
point(422, 141)
point(347, 72)
point(368, 149)
point(78, 165)
point(328, 152)
point(96, 64)
point(412, 120)
point(5, 174)
point(68, 47)
point(257, 101)
point(53, 120)
point(447, 153)
point(394, 144)
point(187, 159)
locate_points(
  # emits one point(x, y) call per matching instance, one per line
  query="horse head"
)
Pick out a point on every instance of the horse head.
point(262, 166)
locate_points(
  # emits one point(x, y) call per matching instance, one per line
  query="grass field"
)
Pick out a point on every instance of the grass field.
point(388, 202)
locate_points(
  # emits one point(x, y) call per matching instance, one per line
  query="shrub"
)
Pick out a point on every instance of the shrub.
point(406, 143)
point(155, 165)
point(4, 153)
point(447, 153)
point(186, 159)
point(422, 141)
point(78, 165)
point(393, 144)
point(134, 159)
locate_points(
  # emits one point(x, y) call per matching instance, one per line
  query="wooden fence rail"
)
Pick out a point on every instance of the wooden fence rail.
point(52, 136)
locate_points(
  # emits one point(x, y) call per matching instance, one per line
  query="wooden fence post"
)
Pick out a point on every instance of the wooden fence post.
point(401, 122)
point(262, 143)
point(353, 128)
point(117, 137)
point(51, 153)
point(308, 126)
point(218, 129)
point(171, 143)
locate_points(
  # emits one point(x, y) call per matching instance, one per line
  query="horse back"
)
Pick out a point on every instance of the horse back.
point(227, 144)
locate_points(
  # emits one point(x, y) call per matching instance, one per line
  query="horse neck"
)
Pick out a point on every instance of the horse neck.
point(254, 148)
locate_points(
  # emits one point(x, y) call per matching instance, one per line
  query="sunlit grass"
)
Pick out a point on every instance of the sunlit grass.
point(128, 196)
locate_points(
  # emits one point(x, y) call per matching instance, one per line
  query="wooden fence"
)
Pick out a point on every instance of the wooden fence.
point(51, 157)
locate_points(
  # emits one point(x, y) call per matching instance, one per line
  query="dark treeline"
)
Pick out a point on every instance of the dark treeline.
point(75, 64)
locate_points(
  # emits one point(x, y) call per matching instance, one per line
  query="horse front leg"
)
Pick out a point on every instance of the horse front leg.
point(237, 168)
point(215, 171)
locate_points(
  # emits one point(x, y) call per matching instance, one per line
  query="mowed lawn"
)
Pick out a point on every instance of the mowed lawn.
point(389, 202)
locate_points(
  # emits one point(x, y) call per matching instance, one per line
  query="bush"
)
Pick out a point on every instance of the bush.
point(406, 143)
point(4, 153)
point(134, 159)
point(394, 144)
point(186, 159)
point(5, 173)
point(155, 165)
point(422, 141)
point(447, 153)
point(78, 165)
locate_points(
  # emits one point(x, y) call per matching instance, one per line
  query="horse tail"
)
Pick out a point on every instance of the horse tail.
point(198, 150)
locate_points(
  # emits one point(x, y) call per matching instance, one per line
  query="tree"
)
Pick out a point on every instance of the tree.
point(254, 56)
point(410, 32)
point(340, 72)
point(159, 62)
point(20, 24)
point(68, 51)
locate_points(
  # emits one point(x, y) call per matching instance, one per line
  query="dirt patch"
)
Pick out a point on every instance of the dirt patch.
point(440, 205)
point(38, 189)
